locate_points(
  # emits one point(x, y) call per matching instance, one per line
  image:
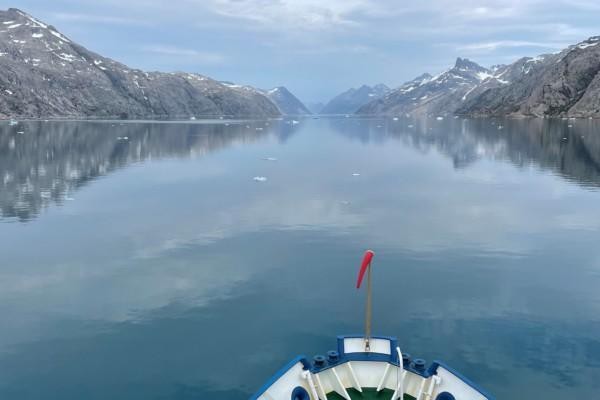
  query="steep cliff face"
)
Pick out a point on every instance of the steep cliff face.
point(566, 84)
point(45, 74)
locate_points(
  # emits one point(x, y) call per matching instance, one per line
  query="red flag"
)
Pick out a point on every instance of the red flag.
point(366, 262)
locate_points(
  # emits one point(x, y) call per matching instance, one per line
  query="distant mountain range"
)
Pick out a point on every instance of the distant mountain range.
point(315, 107)
point(287, 103)
point(45, 74)
point(565, 84)
point(351, 100)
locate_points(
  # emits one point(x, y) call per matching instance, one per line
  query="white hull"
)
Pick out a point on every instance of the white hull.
point(351, 367)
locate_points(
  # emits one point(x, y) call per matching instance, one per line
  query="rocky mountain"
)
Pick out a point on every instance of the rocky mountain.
point(45, 74)
point(438, 95)
point(351, 100)
point(566, 84)
point(287, 103)
point(315, 107)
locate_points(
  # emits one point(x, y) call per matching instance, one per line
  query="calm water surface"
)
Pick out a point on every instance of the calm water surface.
point(142, 261)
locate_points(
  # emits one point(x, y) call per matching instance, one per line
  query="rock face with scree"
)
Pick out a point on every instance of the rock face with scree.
point(45, 74)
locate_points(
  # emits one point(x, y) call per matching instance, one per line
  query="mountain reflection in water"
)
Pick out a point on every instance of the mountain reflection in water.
point(142, 260)
point(49, 161)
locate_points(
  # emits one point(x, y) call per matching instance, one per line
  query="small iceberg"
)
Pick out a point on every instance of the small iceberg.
point(440, 118)
point(356, 174)
point(192, 118)
point(260, 178)
point(395, 118)
point(13, 122)
point(294, 122)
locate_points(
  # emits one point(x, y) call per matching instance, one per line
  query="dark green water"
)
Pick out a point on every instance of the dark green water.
point(156, 267)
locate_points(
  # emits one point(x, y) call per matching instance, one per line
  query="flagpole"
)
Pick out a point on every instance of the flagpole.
point(365, 267)
point(368, 312)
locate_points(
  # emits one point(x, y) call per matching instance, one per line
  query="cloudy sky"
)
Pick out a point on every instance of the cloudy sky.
point(317, 48)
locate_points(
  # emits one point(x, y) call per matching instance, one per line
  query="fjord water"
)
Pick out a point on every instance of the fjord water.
point(142, 261)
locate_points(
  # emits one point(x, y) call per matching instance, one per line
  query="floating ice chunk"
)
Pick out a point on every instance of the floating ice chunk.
point(270, 159)
point(8, 91)
point(356, 174)
point(21, 132)
point(259, 129)
point(411, 126)
point(345, 202)
point(294, 122)
point(191, 118)
point(440, 118)
point(260, 178)
point(395, 118)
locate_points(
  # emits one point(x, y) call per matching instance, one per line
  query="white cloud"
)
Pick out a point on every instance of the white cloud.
point(192, 54)
point(495, 45)
point(100, 19)
point(286, 14)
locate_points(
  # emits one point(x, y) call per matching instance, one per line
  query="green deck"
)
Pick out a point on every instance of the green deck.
point(367, 394)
